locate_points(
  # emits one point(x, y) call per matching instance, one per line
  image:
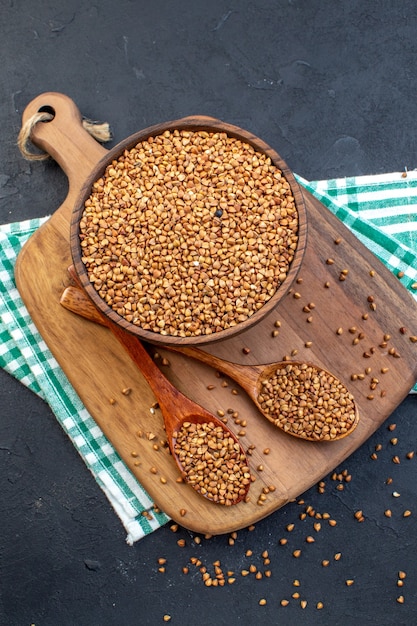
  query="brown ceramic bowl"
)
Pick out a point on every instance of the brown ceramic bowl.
point(197, 123)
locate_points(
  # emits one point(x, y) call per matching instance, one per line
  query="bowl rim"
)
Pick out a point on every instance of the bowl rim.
point(192, 123)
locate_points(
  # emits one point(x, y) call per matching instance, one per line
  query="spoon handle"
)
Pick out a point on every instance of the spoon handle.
point(74, 299)
point(151, 372)
point(245, 375)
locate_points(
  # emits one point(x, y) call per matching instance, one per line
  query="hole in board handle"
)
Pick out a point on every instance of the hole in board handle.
point(47, 109)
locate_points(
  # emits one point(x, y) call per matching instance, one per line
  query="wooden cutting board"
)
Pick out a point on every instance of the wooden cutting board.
point(369, 305)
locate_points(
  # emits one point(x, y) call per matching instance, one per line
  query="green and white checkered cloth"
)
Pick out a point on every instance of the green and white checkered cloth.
point(380, 210)
point(24, 354)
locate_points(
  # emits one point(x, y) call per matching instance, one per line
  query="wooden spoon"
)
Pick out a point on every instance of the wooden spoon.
point(250, 377)
point(182, 418)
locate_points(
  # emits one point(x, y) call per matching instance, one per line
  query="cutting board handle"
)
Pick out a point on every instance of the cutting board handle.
point(64, 138)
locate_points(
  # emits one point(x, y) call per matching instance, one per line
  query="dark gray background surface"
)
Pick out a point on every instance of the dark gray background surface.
point(331, 85)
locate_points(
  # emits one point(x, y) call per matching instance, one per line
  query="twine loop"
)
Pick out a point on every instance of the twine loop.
point(99, 130)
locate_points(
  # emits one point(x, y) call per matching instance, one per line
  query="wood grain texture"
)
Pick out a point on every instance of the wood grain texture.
point(99, 369)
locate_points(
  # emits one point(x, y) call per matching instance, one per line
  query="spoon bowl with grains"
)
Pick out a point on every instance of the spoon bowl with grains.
point(206, 451)
point(189, 232)
point(302, 399)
